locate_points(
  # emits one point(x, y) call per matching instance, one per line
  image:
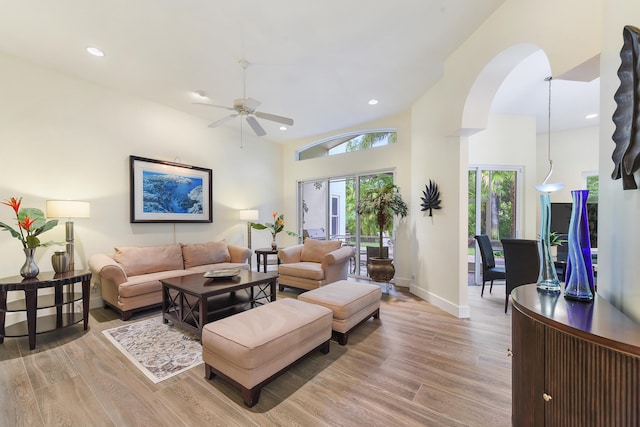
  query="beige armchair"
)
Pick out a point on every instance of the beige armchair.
point(313, 264)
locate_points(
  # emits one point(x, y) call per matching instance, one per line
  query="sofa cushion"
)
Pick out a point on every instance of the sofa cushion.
point(147, 283)
point(136, 260)
point(205, 253)
point(314, 250)
point(304, 270)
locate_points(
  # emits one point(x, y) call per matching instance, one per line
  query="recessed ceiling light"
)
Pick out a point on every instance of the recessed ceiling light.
point(373, 101)
point(200, 93)
point(591, 116)
point(95, 51)
point(283, 128)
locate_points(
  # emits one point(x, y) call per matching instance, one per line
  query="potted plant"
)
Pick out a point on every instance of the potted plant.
point(384, 202)
point(555, 240)
point(31, 223)
point(274, 227)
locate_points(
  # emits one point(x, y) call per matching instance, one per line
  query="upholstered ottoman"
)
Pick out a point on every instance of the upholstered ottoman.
point(251, 348)
point(352, 303)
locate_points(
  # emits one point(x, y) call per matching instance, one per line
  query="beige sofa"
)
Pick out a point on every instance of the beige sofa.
point(130, 277)
point(313, 263)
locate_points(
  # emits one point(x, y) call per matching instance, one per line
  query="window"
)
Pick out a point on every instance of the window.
point(334, 220)
point(592, 186)
point(347, 143)
point(331, 204)
point(494, 210)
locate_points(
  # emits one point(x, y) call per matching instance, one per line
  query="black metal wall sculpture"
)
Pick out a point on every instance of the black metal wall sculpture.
point(431, 199)
point(626, 155)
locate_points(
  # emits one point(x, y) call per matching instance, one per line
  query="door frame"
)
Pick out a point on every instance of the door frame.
point(519, 214)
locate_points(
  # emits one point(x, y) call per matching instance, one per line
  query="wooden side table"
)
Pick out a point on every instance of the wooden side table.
point(263, 254)
point(32, 302)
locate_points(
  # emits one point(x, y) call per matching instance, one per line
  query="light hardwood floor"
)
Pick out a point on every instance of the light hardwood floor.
point(416, 365)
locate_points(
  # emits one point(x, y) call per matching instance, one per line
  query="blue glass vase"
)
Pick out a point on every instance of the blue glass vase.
point(579, 276)
point(547, 276)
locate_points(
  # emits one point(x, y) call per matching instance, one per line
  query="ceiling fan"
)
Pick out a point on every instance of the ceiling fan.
point(246, 107)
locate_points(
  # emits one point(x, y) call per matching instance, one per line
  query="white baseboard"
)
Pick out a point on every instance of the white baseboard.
point(441, 303)
point(400, 281)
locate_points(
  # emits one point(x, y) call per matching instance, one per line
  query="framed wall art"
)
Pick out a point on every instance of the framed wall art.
point(169, 192)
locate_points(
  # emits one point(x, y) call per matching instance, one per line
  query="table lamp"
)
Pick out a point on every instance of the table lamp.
point(249, 215)
point(68, 209)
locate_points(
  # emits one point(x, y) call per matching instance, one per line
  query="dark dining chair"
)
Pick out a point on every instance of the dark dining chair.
point(489, 270)
point(521, 261)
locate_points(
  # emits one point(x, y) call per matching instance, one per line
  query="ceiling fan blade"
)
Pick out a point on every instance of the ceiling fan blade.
point(274, 118)
point(251, 104)
point(222, 120)
point(213, 105)
point(256, 126)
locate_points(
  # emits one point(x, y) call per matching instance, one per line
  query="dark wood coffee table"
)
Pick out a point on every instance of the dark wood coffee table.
point(194, 300)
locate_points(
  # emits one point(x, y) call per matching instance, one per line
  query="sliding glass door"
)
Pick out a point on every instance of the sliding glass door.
point(493, 210)
point(328, 210)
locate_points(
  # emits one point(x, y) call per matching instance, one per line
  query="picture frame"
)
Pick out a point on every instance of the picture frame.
point(169, 192)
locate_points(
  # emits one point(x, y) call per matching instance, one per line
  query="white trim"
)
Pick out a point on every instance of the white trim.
point(461, 312)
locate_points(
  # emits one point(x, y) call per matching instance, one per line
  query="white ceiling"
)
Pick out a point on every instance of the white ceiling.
point(574, 94)
point(318, 63)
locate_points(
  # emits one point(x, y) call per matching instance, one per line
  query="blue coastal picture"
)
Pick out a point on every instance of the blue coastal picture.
point(170, 192)
point(165, 193)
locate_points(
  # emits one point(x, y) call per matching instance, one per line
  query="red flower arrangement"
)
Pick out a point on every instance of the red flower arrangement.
point(31, 223)
point(276, 227)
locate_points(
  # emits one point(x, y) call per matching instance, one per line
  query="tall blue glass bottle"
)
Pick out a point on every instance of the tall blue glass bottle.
point(579, 275)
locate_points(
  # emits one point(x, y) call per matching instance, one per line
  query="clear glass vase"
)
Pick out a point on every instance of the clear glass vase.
point(547, 275)
point(579, 276)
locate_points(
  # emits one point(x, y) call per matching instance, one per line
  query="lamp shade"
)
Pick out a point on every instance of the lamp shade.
point(249, 214)
point(68, 209)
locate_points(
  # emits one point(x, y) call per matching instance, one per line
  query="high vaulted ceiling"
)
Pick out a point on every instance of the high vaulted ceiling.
point(316, 62)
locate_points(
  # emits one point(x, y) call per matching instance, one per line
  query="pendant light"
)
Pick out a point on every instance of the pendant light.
point(547, 275)
point(544, 187)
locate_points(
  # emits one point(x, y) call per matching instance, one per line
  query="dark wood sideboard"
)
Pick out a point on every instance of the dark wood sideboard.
point(574, 363)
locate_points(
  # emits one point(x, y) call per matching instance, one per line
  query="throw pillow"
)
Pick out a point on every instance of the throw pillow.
point(136, 260)
point(205, 253)
point(314, 250)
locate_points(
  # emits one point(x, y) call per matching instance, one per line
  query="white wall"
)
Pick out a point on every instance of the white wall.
point(510, 141)
point(569, 32)
point(574, 152)
point(618, 219)
point(391, 157)
point(63, 138)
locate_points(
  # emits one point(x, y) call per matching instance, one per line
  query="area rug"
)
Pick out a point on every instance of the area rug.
point(159, 350)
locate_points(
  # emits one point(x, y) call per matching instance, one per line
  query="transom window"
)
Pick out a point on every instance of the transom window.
point(345, 143)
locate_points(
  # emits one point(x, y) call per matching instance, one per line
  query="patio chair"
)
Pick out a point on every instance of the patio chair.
point(489, 270)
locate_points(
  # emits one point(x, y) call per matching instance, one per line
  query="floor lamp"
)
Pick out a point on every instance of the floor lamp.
point(68, 209)
point(249, 215)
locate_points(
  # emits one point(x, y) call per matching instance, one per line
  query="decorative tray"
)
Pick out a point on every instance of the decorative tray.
point(222, 274)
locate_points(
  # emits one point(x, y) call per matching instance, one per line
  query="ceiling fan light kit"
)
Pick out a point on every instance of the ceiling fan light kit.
point(246, 107)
